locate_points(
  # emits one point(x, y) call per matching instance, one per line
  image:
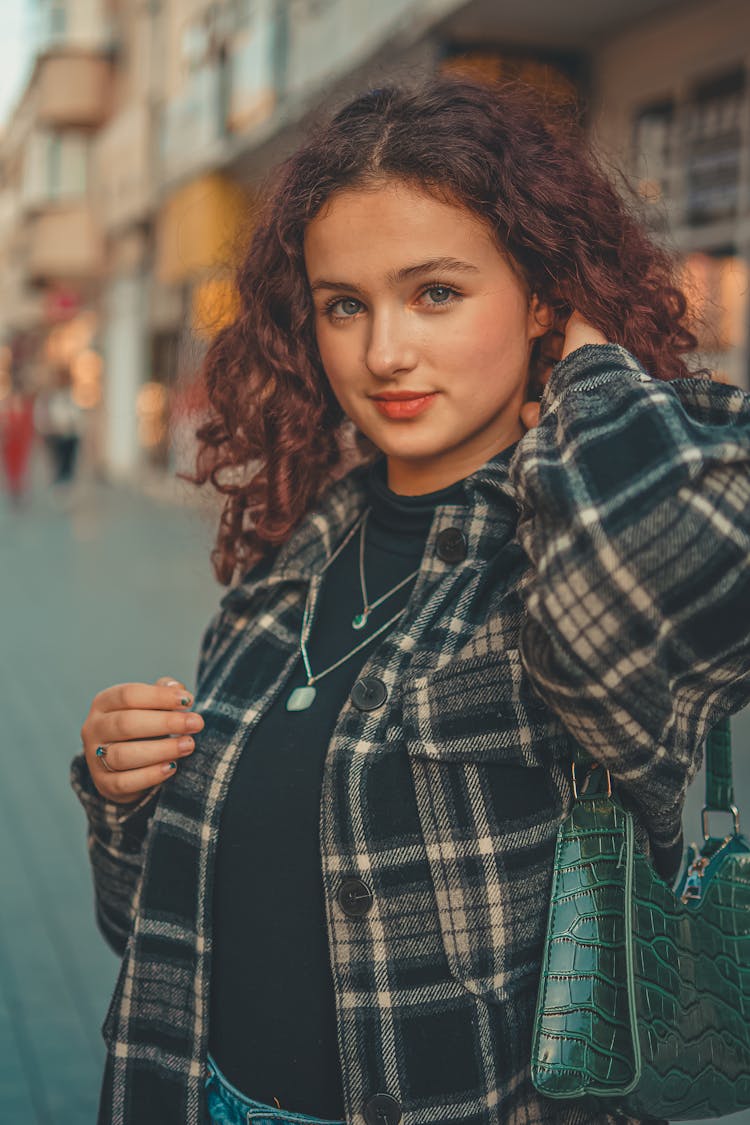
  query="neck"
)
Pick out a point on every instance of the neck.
point(415, 477)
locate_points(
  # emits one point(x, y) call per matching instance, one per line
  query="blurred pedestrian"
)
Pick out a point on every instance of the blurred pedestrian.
point(328, 871)
point(16, 441)
point(60, 421)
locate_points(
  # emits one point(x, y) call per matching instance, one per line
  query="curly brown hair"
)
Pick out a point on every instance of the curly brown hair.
point(276, 437)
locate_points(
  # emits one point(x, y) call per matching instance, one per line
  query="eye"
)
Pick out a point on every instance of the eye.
point(349, 307)
point(441, 294)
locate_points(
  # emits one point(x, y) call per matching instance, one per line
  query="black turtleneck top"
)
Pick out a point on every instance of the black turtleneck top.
point(272, 1018)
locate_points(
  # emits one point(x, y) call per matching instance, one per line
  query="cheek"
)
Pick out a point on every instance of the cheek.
point(490, 341)
point(335, 355)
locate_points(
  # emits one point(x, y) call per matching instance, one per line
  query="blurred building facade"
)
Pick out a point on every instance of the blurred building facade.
point(136, 154)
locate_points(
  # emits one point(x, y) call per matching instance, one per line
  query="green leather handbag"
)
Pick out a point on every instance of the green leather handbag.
point(644, 996)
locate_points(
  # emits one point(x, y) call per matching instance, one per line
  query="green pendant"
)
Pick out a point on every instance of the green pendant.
point(360, 620)
point(301, 698)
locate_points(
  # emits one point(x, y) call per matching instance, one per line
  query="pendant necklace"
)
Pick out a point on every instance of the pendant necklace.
point(302, 697)
point(360, 619)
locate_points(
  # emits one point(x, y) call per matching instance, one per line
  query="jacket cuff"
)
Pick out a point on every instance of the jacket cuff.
point(587, 367)
point(109, 820)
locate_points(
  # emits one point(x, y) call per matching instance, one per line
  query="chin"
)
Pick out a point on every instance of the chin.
point(411, 447)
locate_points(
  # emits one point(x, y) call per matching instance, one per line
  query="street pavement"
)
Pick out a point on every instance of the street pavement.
point(99, 587)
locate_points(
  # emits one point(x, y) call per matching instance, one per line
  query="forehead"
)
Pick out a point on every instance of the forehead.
point(389, 224)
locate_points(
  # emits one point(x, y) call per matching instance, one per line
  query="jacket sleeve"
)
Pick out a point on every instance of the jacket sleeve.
point(117, 833)
point(116, 836)
point(634, 499)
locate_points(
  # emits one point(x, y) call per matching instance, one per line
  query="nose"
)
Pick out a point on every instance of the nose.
point(390, 348)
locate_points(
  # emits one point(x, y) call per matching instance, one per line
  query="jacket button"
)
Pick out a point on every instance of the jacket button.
point(451, 545)
point(382, 1109)
point(369, 693)
point(355, 897)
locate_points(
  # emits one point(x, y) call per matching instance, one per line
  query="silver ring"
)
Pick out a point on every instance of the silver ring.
point(101, 753)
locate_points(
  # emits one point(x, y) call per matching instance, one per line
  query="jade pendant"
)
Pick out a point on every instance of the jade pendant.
point(301, 698)
point(359, 620)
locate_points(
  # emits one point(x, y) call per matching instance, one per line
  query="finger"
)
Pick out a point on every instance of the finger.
point(137, 755)
point(127, 786)
point(578, 332)
point(529, 414)
point(158, 697)
point(167, 681)
point(125, 726)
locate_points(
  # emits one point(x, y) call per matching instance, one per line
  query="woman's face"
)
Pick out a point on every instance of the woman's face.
point(413, 294)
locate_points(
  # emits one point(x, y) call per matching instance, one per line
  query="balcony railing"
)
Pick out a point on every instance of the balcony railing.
point(73, 89)
point(64, 244)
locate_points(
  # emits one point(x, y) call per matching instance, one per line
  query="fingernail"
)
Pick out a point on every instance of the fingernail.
point(193, 723)
point(169, 767)
point(185, 744)
point(184, 700)
point(172, 683)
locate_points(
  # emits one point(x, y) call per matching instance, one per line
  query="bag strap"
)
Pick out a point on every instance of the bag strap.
point(719, 783)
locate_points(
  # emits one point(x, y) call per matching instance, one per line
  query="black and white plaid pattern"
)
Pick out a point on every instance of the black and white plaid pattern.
point(605, 595)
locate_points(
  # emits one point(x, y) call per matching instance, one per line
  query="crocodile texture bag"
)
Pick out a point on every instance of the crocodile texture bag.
point(644, 997)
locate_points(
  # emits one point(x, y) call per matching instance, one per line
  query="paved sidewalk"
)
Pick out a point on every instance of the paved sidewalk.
point(99, 588)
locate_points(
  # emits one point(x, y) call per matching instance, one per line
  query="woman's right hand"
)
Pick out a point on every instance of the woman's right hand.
point(133, 724)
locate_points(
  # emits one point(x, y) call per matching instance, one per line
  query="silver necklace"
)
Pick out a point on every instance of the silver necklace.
point(302, 697)
point(360, 619)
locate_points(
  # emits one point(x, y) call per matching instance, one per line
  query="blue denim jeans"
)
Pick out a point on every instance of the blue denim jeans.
point(227, 1106)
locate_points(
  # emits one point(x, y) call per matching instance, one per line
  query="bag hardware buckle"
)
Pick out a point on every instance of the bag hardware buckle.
point(735, 819)
point(589, 771)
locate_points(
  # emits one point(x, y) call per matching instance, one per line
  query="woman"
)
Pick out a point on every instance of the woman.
point(331, 889)
point(16, 441)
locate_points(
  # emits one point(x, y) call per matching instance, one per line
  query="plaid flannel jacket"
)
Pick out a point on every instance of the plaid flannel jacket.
point(605, 598)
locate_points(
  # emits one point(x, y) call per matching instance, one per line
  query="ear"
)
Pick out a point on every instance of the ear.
point(541, 317)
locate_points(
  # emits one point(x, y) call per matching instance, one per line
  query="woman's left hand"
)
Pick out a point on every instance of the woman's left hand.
point(577, 333)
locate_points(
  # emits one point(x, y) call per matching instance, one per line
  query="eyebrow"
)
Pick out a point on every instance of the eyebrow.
point(393, 277)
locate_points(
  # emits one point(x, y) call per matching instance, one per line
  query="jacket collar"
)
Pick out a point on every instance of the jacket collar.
point(489, 502)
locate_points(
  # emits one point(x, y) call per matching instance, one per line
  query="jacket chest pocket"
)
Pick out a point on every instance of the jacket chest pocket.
point(489, 764)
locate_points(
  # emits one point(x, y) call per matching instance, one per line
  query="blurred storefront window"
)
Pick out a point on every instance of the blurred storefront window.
point(690, 159)
point(70, 346)
point(86, 372)
point(153, 400)
point(717, 288)
point(198, 228)
point(201, 232)
point(688, 152)
point(713, 148)
point(151, 409)
point(654, 152)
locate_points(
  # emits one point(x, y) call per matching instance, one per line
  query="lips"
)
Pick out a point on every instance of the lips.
point(401, 396)
point(404, 404)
